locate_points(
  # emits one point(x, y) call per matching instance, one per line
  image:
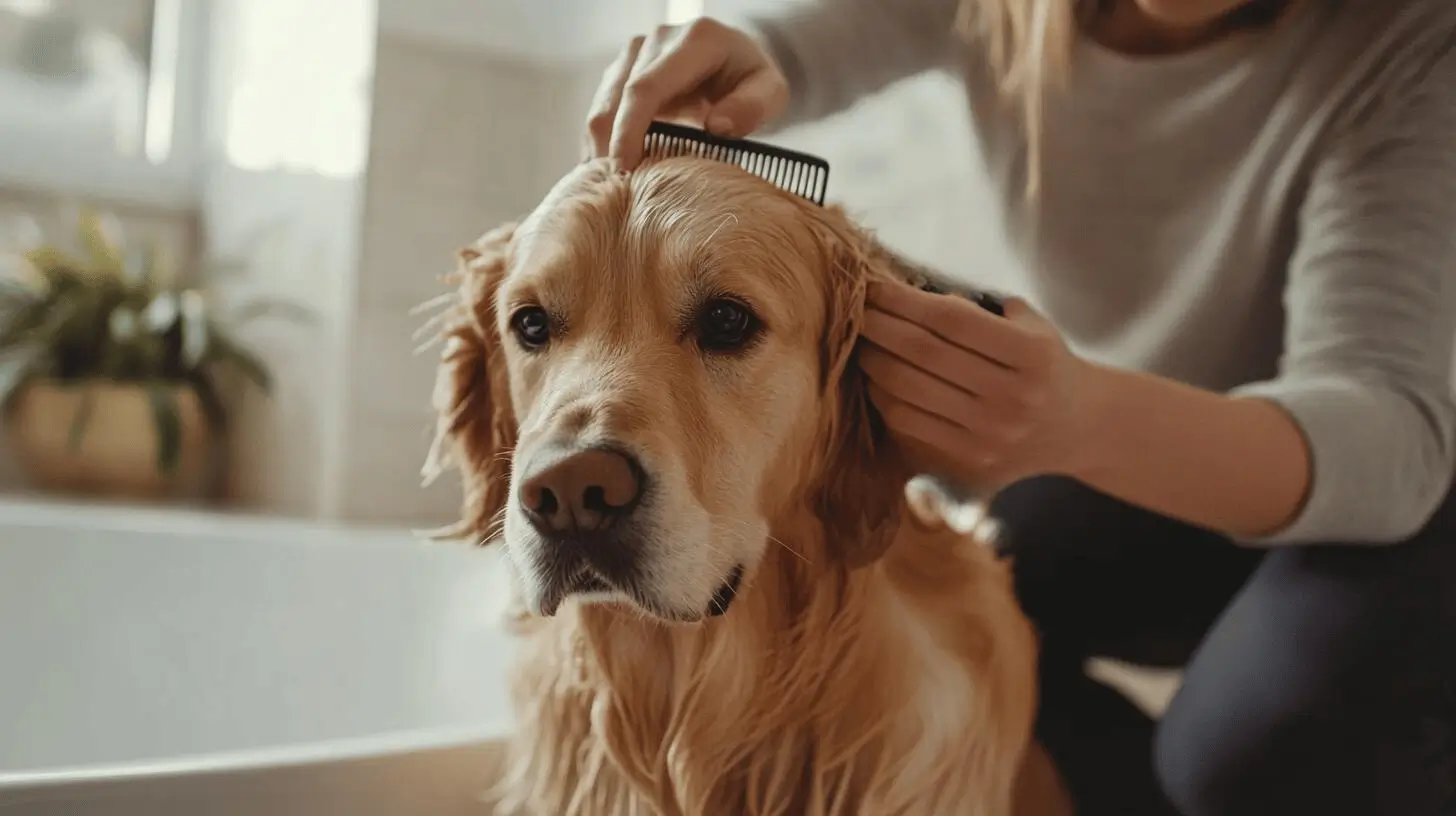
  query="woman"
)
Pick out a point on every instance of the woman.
point(1226, 431)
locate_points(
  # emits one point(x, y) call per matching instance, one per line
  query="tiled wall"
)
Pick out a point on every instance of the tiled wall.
point(461, 142)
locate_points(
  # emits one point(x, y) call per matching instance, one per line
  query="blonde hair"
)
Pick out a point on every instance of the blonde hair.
point(1029, 45)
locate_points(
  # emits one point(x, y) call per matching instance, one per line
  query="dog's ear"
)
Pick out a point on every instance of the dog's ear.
point(857, 491)
point(476, 423)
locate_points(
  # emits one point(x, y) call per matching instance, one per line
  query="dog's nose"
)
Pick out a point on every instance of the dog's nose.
point(581, 491)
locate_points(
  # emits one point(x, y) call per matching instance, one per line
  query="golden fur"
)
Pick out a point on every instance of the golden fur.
point(874, 660)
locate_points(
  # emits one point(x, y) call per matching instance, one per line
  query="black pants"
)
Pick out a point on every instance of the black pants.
point(1319, 679)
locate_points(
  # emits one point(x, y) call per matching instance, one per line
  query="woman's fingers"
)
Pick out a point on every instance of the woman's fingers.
point(1010, 340)
point(703, 71)
point(675, 67)
point(908, 419)
point(910, 384)
point(608, 98)
point(935, 443)
point(1021, 407)
point(946, 360)
point(689, 106)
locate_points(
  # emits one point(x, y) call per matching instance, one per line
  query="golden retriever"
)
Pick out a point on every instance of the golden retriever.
point(727, 605)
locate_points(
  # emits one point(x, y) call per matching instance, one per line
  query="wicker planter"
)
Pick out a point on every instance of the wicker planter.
point(116, 456)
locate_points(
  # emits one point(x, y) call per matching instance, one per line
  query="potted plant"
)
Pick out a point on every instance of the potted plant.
point(108, 369)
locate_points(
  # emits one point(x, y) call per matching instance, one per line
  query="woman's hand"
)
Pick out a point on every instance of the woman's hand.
point(983, 398)
point(704, 72)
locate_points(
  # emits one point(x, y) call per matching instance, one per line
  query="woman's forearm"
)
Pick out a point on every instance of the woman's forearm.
point(1237, 466)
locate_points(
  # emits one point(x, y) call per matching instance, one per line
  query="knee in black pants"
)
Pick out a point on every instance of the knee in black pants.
point(1202, 777)
point(1325, 688)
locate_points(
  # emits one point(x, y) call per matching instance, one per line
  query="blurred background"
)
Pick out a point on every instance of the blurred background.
point(217, 215)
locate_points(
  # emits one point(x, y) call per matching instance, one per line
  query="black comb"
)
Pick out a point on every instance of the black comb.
point(789, 170)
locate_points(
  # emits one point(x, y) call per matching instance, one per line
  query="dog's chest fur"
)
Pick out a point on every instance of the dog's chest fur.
point(841, 714)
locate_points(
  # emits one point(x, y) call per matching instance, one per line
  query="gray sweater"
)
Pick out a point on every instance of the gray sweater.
point(1272, 216)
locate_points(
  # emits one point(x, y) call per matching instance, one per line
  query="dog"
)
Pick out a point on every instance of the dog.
point(728, 606)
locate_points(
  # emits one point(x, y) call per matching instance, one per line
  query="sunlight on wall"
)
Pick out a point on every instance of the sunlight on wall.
point(300, 101)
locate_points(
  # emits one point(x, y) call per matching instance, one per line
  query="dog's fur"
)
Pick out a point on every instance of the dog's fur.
point(874, 660)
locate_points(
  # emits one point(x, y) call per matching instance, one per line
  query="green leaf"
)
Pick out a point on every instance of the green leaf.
point(155, 270)
point(247, 364)
point(51, 262)
point(80, 419)
point(16, 290)
point(210, 402)
point(39, 324)
point(73, 308)
point(15, 369)
point(168, 416)
point(106, 254)
point(24, 319)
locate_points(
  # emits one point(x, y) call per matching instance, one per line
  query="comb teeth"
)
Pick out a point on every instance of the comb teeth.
point(789, 170)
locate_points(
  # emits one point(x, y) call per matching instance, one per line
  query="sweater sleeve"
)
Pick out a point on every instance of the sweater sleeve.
point(1370, 311)
point(836, 52)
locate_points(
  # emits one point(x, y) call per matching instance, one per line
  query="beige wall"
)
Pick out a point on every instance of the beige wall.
point(461, 141)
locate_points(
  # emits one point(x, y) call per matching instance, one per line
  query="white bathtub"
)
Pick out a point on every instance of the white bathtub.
point(157, 663)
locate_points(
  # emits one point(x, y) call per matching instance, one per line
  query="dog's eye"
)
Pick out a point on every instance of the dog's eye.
point(725, 326)
point(532, 326)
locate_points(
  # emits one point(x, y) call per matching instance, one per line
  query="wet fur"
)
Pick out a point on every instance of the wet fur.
point(875, 661)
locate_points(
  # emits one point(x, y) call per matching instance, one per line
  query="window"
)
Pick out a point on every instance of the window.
point(99, 97)
point(298, 101)
point(681, 11)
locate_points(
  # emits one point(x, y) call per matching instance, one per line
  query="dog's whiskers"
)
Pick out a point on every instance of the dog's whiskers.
point(428, 344)
point(791, 550)
point(435, 329)
point(768, 536)
point(436, 323)
point(497, 524)
point(439, 301)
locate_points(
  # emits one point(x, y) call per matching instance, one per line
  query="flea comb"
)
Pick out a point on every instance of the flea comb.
point(789, 170)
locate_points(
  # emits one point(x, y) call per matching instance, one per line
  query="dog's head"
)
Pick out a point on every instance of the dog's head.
point(650, 372)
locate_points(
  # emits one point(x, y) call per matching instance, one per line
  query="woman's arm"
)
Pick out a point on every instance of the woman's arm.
point(835, 52)
point(1354, 441)
point(1370, 314)
point(1239, 466)
point(992, 400)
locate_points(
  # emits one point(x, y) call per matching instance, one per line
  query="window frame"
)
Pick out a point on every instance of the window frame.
point(35, 160)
